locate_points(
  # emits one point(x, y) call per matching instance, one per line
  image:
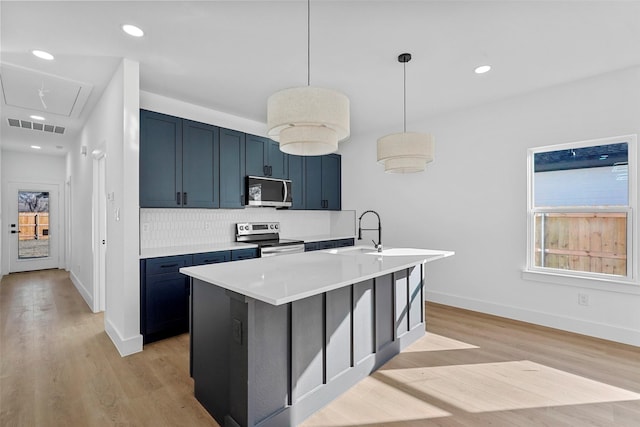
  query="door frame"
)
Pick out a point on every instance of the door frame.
point(99, 219)
point(56, 210)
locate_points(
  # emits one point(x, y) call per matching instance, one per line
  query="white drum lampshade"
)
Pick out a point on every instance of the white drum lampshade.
point(406, 152)
point(308, 120)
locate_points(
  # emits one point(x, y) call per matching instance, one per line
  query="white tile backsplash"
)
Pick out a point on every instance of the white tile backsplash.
point(161, 228)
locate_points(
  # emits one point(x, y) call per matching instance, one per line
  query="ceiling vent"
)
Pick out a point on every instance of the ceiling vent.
point(25, 124)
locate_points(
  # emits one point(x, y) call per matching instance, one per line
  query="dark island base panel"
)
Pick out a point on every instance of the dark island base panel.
point(256, 364)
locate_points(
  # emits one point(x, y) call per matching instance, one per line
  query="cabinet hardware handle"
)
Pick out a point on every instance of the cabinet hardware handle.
point(169, 265)
point(14, 231)
point(178, 197)
point(265, 170)
point(184, 198)
point(270, 170)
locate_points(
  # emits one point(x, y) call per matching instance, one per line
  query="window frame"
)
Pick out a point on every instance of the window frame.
point(631, 210)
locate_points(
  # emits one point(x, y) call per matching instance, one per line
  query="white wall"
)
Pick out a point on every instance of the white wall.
point(113, 128)
point(32, 168)
point(162, 104)
point(472, 199)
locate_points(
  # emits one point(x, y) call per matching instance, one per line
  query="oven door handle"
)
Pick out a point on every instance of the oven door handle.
point(281, 250)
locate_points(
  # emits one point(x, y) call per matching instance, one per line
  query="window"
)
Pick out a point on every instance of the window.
point(581, 207)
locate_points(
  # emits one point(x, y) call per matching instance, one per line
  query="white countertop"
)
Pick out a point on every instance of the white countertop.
point(193, 249)
point(282, 279)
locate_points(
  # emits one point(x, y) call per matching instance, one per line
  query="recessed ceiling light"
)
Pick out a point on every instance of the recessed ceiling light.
point(36, 147)
point(42, 54)
point(37, 117)
point(132, 30)
point(482, 69)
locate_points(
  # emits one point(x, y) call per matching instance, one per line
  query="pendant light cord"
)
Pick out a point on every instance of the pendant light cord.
point(404, 107)
point(308, 42)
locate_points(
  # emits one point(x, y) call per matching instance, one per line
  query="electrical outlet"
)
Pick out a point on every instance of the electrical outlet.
point(207, 225)
point(583, 299)
point(145, 227)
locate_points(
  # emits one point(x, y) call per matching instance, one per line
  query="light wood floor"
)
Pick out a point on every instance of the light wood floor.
point(59, 368)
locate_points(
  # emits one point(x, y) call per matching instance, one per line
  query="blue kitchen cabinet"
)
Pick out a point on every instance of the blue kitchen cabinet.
point(328, 244)
point(164, 291)
point(160, 160)
point(313, 183)
point(331, 182)
point(341, 243)
point(296, 175)
point(200, 165)
point(164, 299)
point(322, 182)
point(232, 168)
point(211, 257)
point(264, 158)
point(240, 254)
point(178, 162)
point(311, 246)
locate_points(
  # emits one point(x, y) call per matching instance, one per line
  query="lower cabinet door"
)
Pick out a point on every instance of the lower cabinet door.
point(240, 254)
point(211, 257)
point(167, 308)
point(327, 244)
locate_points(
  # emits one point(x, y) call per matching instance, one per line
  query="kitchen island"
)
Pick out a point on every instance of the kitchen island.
point(275, 339)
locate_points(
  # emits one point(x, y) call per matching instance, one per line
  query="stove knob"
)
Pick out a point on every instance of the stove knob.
point(241, 227)
point(276, 226)
point(271, 226)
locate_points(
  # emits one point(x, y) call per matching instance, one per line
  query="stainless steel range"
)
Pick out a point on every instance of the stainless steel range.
point(267, 236)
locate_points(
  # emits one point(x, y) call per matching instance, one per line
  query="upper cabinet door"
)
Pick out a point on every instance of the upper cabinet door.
point(331, 181)
point(232, 168)
point(256, 156)
point(296, 175)
point(160, 160)
point(313, 182)
point(278, 161)
point(264, 158)
point(200, 165)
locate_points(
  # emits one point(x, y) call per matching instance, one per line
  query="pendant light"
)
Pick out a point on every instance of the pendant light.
point(308, 120)
point(405, 152)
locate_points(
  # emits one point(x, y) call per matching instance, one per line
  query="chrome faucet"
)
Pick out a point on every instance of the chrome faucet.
point(379, 244)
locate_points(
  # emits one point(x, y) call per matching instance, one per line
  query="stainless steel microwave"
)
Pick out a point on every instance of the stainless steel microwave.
point(272, 192)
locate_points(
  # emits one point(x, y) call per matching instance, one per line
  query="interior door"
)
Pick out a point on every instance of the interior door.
point(33, 227)
point(100, 232)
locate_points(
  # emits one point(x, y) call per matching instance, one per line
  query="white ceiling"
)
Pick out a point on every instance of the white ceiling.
point(231, 55)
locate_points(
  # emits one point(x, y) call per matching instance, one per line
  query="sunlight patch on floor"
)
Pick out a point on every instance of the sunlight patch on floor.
point(435, 342)
point(504, 386)
point(373, 402)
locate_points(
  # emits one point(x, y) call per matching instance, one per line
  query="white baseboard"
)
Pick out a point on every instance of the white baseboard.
point(565, 323)
point(125, 346)
point(86, 295)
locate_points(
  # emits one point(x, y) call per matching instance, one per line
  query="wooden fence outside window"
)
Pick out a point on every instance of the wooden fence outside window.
point(592, 242)
point(33, 225)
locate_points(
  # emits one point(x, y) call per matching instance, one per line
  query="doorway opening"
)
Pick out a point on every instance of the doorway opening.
point(34, 218)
